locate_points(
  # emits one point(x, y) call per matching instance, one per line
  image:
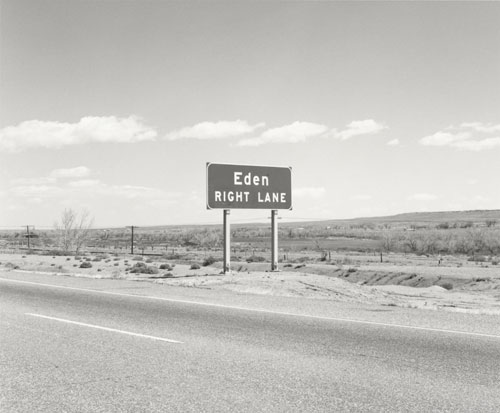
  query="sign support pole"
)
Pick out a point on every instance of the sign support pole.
point(227, 242)
point(274, 240)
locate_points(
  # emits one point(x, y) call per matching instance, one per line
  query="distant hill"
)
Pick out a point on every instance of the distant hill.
point(405, 219)
point(440, 216)
point(415, 218)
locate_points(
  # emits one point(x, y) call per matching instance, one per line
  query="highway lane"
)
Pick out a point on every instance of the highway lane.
point(224, 359)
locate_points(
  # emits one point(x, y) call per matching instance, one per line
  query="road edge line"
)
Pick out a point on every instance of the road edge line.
point(259, 310)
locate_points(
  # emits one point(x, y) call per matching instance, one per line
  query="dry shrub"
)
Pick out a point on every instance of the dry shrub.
point(447, 285)
point(255, 258)
point(142, 268)
point(209, 261)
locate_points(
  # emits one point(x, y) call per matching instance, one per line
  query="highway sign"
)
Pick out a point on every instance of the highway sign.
point(248, 187)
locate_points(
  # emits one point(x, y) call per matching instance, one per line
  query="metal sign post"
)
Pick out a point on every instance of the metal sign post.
point(227, 242)
point(249, 187)
point(274, 240)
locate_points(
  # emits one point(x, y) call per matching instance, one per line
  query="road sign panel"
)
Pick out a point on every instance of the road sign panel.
point(248, 187)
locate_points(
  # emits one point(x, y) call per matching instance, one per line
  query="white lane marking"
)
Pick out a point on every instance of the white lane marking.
point(114, 330)
point(258, 310)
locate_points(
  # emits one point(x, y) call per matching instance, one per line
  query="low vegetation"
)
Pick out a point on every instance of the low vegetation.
point(209, 261)
point(142, 268)
point(474, 234)
point(255, 258)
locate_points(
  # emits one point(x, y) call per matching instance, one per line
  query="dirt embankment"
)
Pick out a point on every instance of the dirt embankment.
point(457, 288)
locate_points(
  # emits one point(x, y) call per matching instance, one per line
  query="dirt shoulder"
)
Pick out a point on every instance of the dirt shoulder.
point(471, 289)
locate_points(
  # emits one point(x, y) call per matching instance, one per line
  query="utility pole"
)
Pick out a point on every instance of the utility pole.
point(28, 235)
point(132, 240)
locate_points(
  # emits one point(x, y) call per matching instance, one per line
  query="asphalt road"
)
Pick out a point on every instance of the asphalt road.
point(74, 350)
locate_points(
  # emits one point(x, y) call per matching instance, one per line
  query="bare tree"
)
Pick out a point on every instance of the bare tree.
point(491, 222)
point(82, 229)
point(73, 230)
point(411, 241)
point(492, 242)
point(207, 238)
point(64, 229)
point(388, 241)
point(477, 240)
point(429, 243)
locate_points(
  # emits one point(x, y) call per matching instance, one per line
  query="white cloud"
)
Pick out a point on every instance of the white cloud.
point(393, 142)
point(309, 192)
point(49, 134)
point(292, 133)
point(214, 130)
point(480, 127)
point(479, 145)
point(77, 172)
point(470, 136)
point(422, 197)
point(360, 127)
point(85, 183)
point(444, 138)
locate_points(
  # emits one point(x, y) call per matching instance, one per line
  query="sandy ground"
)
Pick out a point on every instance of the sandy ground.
point(402, 282)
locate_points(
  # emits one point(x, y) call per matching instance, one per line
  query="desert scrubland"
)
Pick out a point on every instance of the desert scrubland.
point(434, 264)
point(439, 261)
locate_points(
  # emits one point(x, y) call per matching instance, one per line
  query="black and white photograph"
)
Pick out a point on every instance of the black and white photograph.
point(249, 206)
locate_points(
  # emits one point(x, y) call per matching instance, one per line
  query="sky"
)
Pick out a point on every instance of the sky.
point(115, 107)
